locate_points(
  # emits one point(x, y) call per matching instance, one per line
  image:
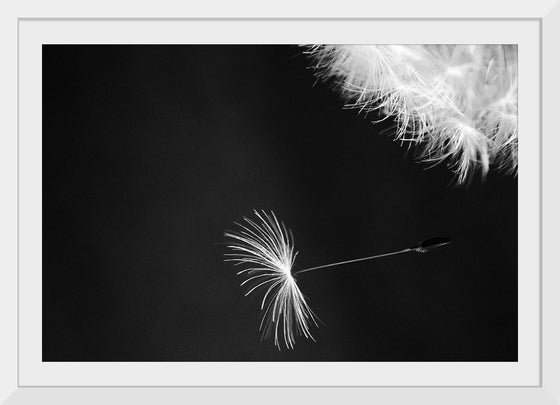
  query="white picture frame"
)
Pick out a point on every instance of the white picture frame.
point(534, 385)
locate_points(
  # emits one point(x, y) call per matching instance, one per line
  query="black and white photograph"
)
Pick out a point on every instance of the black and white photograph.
point(280, 203)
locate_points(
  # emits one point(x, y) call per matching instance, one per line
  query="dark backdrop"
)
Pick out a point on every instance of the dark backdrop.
point(151, 152)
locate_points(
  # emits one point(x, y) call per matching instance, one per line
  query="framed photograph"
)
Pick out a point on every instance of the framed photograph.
point(352, 207)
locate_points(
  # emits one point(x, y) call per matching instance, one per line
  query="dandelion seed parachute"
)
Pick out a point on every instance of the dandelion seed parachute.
point(267, 248)
point(456, 103)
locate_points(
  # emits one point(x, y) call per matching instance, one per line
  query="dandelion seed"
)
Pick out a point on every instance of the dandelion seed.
point(458, 103)
point(265, 249)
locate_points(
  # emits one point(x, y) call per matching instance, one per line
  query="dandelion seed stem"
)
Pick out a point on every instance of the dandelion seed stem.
point(355, 260)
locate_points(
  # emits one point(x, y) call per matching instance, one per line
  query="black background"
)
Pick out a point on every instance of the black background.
point(151, 152)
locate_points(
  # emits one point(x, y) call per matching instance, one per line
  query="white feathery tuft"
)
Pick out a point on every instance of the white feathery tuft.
point(457, 103)
point(266, 246)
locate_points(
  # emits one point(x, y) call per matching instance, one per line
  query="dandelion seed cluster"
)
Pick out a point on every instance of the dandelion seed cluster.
point(265, 248)
point(456, 103)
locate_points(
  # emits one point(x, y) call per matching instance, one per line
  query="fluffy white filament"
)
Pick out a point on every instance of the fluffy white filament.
point(266, 246)
point(457, 103)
